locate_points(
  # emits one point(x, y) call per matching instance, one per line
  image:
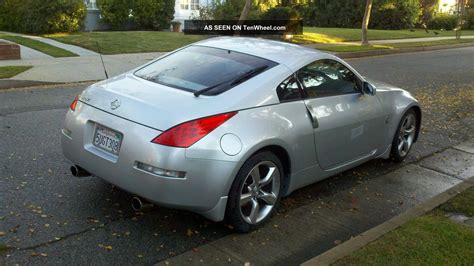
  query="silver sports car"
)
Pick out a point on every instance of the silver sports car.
point(227, 126)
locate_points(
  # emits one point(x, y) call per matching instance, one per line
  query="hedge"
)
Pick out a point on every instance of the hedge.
point(39, 16)
point(443, 22)
point(143, 14)
point(386, 14)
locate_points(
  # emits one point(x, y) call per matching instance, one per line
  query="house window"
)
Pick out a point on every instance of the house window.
point(185, 4)
point(194, 4)
point(189, 4)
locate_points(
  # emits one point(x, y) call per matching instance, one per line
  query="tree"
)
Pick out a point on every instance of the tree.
point(365, 22)
point(460, 6)
point(245, 10)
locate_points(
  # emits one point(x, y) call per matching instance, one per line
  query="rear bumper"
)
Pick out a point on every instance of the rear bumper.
point(203, 189)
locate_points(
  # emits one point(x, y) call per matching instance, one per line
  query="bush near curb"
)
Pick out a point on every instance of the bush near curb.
point(39, 16)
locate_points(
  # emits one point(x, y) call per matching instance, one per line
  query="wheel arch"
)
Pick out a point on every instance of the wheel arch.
point(282, 154)
point(418, 114)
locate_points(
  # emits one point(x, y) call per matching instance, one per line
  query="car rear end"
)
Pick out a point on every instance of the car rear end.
point(134, 131)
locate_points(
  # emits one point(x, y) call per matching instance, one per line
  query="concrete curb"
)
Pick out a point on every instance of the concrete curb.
point(402, 50)
point(352, 245)
point(10, 85)
point(303, 232)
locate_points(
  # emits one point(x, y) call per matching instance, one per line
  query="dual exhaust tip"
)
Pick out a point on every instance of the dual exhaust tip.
point(137, 203)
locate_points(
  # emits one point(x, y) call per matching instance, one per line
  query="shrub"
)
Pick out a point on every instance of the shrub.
point(226, 10)
point(38, 16)
point(340, 13)
point(396, 14)
point(469, 19)
point(443, 22)
point(386, 14)
point(116, 13)
point(143, 14)
point(280, 13)
point(153, 14)
point(469, 15)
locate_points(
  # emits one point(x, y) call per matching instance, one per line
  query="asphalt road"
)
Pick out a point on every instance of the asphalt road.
point(48, 216)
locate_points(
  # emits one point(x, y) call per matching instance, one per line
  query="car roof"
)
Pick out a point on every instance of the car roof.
point(292, 55)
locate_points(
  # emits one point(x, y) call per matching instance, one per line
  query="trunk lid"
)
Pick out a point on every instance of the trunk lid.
point(148, 103)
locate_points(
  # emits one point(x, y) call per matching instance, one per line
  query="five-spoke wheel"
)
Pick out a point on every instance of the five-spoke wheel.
point(405, 136)
point(255, 192)
point(259, 192)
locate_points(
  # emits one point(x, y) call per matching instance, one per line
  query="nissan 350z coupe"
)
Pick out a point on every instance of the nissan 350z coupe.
point(228, 126)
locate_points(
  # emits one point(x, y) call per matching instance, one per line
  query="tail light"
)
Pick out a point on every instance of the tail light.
point(72, 106)
point(186, 134)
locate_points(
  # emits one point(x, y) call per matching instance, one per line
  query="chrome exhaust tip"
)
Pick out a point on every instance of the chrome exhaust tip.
point(140, 205)
point(78, 171)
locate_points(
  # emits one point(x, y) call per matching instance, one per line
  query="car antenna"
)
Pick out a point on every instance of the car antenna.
point(102, 60)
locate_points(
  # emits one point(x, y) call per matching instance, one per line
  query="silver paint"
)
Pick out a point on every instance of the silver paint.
point(321, 137)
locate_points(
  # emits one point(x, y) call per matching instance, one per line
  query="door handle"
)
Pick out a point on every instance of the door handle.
point(312, 116)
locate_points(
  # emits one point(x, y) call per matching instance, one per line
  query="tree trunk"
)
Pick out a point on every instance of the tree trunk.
point(245, 11)
point(365, 22)
point(461, 6)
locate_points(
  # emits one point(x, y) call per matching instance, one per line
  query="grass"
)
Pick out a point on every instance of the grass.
point(333, 35)
point(427, 240)
point(463, 203)
point(11, 71)
point(128, 42)
point(341, 48)
point(39, 46)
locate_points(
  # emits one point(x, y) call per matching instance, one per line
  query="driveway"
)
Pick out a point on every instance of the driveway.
point(48, 216)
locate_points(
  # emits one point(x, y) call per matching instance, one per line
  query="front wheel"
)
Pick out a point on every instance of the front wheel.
point(405, 136)
point(255, 193)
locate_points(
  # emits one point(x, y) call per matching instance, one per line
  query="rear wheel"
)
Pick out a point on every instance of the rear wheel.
point(405, 136)
point(255, 193)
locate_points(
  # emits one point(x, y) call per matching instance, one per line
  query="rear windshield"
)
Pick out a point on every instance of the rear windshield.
point(204, 70)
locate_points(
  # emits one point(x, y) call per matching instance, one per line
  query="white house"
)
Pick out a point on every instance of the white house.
point(447, 6)
point(183, 9)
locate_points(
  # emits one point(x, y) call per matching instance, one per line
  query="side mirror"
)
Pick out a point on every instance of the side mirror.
point(368, 88)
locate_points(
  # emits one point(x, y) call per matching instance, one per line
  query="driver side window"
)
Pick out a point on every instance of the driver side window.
point(327, 77)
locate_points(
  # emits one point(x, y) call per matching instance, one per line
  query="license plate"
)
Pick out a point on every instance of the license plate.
point(107, 139)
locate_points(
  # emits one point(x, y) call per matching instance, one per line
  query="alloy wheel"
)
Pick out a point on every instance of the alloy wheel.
point(407, 134)
point(259, 192)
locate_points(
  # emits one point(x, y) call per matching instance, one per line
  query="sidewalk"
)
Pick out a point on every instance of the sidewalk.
point(71, 48)
point(88, 67)
point(305, 232)
point(77, 69)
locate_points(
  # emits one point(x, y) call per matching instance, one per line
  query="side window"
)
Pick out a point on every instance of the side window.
point(328, 78)
point(289, 90)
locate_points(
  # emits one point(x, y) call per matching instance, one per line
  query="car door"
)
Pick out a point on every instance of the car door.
point(346, 122)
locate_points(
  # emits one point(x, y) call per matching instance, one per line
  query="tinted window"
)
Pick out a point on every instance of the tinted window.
point(196, 67)
point(327, 78)
point(289, 90)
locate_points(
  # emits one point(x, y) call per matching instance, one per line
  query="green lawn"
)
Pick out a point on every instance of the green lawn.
point(11, 71)
point(128, 42)
point(331, 35)
point(428, 240)
point(37, 45)
point(341, 48)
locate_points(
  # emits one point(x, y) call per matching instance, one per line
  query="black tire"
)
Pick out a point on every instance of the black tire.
point(396, 154)
point(234, 214)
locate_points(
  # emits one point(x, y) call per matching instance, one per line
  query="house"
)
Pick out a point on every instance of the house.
point(183, 9)
point(452, 7)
